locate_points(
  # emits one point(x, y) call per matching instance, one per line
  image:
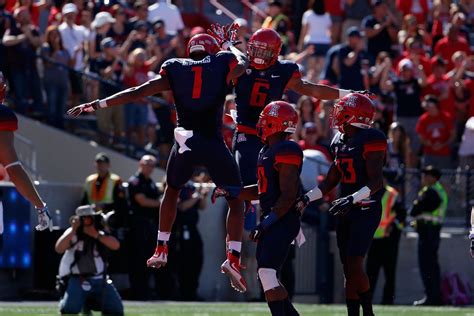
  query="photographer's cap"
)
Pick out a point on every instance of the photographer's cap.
point(85, 210)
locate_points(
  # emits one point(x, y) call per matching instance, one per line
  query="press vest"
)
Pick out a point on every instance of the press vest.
point(105, 193)
point(437, 216)
point(388, 215)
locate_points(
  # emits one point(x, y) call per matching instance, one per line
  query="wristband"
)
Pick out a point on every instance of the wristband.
point(102, 104)
point(226, 45)
point(343, 93)
point(269, 220)
point(361, 194)
point(314, 194)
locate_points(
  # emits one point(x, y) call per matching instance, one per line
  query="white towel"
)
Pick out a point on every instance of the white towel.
point(300, 238)
point(181, 135)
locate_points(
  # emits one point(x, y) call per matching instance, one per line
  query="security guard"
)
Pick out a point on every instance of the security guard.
point(144, 198)
point(429, 211)
point(383, 252)
point(104, 188)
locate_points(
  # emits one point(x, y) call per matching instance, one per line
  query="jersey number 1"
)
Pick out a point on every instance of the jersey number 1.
point(197, 85)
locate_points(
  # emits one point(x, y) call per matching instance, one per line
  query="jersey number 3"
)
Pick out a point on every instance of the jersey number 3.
point(262, 180)
point(197, 85)
point(346, 167)
point(258, 97)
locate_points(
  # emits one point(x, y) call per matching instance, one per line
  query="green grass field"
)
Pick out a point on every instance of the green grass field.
point(231, 309)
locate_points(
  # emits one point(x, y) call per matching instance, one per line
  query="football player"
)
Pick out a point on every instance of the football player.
point(199, 84)
point(265, 81)
point(16, 172)
point(359, 152)
point(279, 167)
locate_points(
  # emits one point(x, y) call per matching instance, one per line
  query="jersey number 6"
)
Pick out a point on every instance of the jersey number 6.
point(258, 97)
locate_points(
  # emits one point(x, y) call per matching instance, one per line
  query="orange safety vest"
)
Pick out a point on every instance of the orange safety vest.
point(388, 216)
point(105, 193)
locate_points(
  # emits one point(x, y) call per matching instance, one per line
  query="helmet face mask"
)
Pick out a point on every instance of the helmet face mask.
point(354, 109)
point(263, 48)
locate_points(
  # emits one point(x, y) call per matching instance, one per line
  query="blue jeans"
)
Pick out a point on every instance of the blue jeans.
point(78, 291)
point(57, 98)
point(27, 85)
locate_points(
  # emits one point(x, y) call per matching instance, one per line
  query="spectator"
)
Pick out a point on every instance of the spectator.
point(34, 8)
point(324, 121)
point(169, 45)
point(415, 52)
point(279, 22)
point(355, 11)
point(417, 8)
point(56, 75)
point(334, 8)
point(380, 29)
point(306, 113)
point(383, 252)
point(6, 21)
point(74, 38)
point(407, 88)
point(440, 18)
point(104, 189)
point(141, 15)
point(466, 149)
point(411, 29)
point(136, 114)
point(83, 267)
point(429, 210)
point(398, 149)
point(144, 204)
point(349, 61)
point(169, 13)
point(328, 73)
point(21, 41)
point(100, 27)
point(436, 131)
point(451, 43)
point(310, 139)
point(137, 38)
point(119, 30)
point(438, 84)
point(458, 60)
point(110, 66)
point(376, 71)
point(315, 31)
point(188, 244)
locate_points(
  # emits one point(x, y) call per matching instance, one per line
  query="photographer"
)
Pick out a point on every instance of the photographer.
point(82, 269)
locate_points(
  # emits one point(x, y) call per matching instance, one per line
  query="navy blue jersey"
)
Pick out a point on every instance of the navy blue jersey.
point(286, 152)
point(8, 120)
point(257, 88)
point(350, 156)
point(199, 88)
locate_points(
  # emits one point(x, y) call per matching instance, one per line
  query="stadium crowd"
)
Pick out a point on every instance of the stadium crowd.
point(416, 56)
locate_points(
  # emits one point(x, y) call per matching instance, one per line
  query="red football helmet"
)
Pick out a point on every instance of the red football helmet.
point(202, 43)
point(277, 116)
point(3, 88)
point(354, 109)
point(263, 48)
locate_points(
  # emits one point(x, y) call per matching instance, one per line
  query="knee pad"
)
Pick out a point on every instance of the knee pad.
point(268, 278)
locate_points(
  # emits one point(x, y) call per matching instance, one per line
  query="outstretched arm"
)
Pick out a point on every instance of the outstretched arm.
point(17, 173)
point(130, 95)
point(319, 91)
point(242, 63)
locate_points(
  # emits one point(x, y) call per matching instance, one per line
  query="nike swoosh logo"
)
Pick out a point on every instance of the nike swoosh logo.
point(364, 208)
point(349, 149)
point(273, 76)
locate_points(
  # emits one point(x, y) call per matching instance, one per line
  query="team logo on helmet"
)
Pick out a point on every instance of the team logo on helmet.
point(274, 110)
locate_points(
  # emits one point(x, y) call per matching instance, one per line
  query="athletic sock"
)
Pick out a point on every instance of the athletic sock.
point(353, 307)
point(290, 310)
point(366, 303)
point(277, 308)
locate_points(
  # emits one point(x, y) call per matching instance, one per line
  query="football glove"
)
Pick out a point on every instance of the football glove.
point(224, 34)
point(341, 206)
point(225, 191)
point(44, 219)
point(301, 203)
point(86, 107)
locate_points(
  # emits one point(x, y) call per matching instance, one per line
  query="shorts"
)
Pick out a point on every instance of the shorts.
point(110, 119)
point(320, 50)
point(136, 115)
point(211, 153)
point(76, 82)
point(275, 243)
point(246, 150)
point(356, 229)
